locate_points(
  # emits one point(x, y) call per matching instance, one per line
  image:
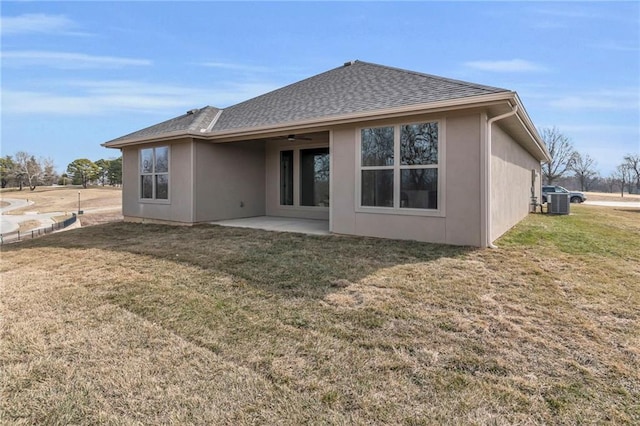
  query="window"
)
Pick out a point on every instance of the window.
point(286, 178)
point(377, 149)
point(399, 166)
point(154, 173)
point(304, 177)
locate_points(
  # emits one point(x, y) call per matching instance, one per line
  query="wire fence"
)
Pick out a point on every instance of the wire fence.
point(15, 236)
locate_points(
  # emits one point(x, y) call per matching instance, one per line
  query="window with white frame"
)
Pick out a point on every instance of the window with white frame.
point(154, 173)
point(399, 166)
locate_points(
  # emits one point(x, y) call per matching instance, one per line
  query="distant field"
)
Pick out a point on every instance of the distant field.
point(56, 199)
point(605, 196)
point(145, 324)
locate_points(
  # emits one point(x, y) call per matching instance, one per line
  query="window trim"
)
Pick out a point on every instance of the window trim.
point(296, 148)
point(154, 176)
point(397, 168)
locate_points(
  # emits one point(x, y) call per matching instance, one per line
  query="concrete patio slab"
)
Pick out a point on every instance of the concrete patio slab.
point(280, 224)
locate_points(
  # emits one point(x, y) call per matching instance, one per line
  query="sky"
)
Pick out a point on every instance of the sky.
point(77, 74)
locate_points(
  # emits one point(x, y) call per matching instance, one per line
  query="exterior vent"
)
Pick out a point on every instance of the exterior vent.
point(192, 111)
point(347, 64)
point(559, 203)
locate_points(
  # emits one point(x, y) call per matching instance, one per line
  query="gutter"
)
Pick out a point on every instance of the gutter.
point(487, 175)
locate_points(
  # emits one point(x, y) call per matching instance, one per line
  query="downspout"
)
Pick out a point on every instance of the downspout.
point(487, 182)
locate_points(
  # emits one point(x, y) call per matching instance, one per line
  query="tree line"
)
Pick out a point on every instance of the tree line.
point(570, 168)
point(25, 170)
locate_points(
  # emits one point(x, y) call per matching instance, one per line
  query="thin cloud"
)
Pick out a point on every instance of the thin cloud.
point(604, 99)
point(37, 23)
point(236, 67)
point(512, 65)
point(96, 98)
point(67, 60)
point(621, 47)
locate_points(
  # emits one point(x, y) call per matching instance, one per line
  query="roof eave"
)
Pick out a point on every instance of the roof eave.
point(152, 138)
point(527, 123)
point(430, 107)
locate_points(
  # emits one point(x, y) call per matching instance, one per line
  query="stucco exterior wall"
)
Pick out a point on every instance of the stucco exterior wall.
point(273, 207)
point(229, 180)
point(179, 207)
point(460, 203)
point(511, 167)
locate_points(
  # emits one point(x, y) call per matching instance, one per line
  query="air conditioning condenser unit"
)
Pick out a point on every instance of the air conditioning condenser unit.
point(559, 203)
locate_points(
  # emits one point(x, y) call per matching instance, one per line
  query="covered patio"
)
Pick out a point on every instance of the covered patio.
point(279, 224)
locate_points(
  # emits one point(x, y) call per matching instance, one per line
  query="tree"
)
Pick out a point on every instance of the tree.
point(114, 172)
point(633, 162)
point(610, 181)
point(7, 170)
point(82, 171)
point(28, 170)
point(103, 171)
point(623, 175)
point(562, 154)
point(585, 170)
point(49, 175)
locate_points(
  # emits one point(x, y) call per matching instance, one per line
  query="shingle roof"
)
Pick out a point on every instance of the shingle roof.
point(355, 87)
point(192, 121)
point(352, 88)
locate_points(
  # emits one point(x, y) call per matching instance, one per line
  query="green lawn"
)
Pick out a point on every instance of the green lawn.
point(147, 324)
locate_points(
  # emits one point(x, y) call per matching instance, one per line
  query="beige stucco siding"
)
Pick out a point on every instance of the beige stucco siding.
point(178, 208)
point(459, 221)
point(510, 189)
point(229, 181)
point(463, 180)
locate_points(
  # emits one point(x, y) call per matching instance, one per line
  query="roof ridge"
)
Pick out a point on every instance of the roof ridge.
point(284, 87)
point(438, 77)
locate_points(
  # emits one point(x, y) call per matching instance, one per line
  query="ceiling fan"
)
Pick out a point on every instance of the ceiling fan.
point(294, 138)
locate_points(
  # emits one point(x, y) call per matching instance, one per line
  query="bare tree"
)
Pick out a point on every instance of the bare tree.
point(562, 154)
point(623, 176)
point(633, 161)
point(28, 169)
point(49, 175)
point(585, 170)
point(610, 181)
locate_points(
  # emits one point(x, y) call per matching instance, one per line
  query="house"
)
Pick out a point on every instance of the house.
point(373, 150)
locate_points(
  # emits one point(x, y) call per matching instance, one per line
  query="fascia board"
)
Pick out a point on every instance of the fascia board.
point(526, 122)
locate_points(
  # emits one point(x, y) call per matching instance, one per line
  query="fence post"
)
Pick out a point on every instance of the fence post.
point(18, 235)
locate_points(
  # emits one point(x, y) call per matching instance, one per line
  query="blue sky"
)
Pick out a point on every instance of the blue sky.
point(76, 74)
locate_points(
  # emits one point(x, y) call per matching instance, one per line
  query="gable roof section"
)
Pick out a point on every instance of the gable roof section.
point(355, 87)
point(193, 121)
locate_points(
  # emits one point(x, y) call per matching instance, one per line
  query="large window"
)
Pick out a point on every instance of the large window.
point(154, 173)
point(399, 166)
point(309, 169)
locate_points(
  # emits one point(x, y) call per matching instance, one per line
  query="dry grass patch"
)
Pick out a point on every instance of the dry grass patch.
point(129, 323)
point(615, 196)
point(55, 199)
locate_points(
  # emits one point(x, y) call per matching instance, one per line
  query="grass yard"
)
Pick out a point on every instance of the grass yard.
point(146, 324)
